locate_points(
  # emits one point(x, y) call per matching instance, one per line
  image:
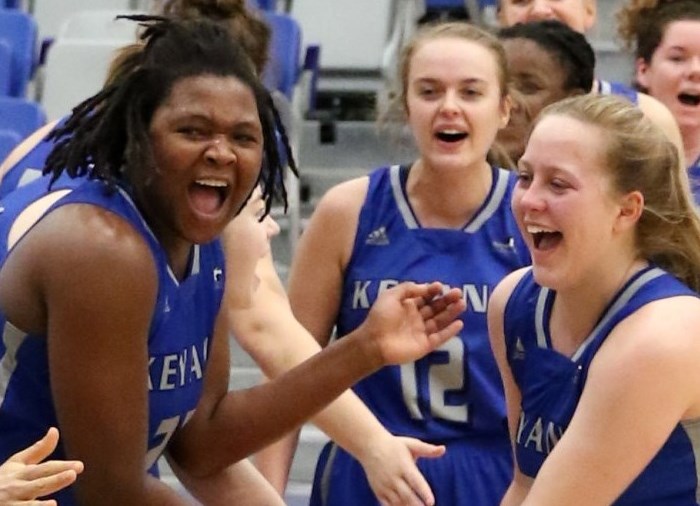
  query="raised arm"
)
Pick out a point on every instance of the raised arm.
point(406, 323)
point(319, 262)
point(641, 383)
point(273, 337)
point(518, 488)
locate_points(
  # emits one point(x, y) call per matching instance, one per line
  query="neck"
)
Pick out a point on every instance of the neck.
point(577, 309)
point(447, 199)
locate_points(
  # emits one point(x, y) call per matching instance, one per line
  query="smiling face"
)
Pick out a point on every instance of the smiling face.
point(564, 201)
point(579, 15)
point(454, 102)
point(673, 73)
point(207, 147)
point(539, 79)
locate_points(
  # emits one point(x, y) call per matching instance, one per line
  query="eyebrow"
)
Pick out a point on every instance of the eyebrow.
point(431, 80)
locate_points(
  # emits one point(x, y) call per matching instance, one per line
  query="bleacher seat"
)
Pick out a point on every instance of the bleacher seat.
point(5, 72)
point(75, 70)
point(20, 115)
point(282, 70)
point(50, 14)
point(98, 24)
point(8, 140)
point(19, 30)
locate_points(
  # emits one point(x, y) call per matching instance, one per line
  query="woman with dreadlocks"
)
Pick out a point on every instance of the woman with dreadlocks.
point(265, 328)
point(110, 293)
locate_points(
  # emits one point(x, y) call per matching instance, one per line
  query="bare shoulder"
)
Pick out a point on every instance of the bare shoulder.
point(80, 255)
point(664, 327)
point(659, 114)
point(659, 340)
point(345, 198)
point(104, 249)
point(333, 224)
point(656, 349)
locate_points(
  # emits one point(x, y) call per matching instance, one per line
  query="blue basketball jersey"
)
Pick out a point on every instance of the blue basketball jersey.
point(178, 343)
point(454, 394)
point(616, 88)
point(551, 385)
point(694, 176)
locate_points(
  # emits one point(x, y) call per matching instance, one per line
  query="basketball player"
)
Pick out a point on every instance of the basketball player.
point(598, 342)
point(446, 216)
point(110, 293)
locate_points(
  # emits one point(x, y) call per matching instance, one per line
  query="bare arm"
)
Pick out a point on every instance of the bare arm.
point(408, 322)
point(100, 316)
point(520, 485)
point(319, 262)
point(271, 334)
point(650, 359)
point(240, 484)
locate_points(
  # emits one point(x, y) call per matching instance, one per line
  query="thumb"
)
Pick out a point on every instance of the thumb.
point(421, 449)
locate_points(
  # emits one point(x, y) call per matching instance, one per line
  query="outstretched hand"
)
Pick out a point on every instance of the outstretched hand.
point(411, 319)
point(390, 466)
point(23, 478)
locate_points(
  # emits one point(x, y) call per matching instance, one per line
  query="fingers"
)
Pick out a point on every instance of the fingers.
point(53, 483)
point(422, 293)
point(420, 449)
point(443, 316)
point(404, 495)
point(39, 450)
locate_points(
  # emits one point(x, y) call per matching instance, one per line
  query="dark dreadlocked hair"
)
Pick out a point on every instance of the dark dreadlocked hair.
point(106, 137)
point(570, 48)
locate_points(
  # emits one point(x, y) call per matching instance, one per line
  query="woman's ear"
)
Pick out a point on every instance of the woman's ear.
point(641, 74)
point(631, 208)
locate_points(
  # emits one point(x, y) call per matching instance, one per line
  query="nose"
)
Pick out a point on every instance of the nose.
point(540, 10)
point(220, 152)
point(449, 102)
point(529, 199)
point(694, 70)
point(272, 228)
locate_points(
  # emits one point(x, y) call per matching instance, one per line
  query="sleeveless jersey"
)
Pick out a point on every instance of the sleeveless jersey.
point(454, 394)
point(616, 88)
point(694, 176)
point(179, 336)
point(551, 386)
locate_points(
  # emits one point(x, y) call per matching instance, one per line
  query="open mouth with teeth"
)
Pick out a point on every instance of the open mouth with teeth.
point(544, 239)
point(690, 99)
point(451, 135)
point(208, 195)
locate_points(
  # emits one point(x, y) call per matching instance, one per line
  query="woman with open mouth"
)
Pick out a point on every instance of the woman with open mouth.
point(598, 342)
point(446, 216)
point(665, 37)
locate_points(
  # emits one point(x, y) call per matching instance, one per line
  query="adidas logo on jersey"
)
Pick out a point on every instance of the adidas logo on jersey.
point(508, 245)
point(378, 237)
